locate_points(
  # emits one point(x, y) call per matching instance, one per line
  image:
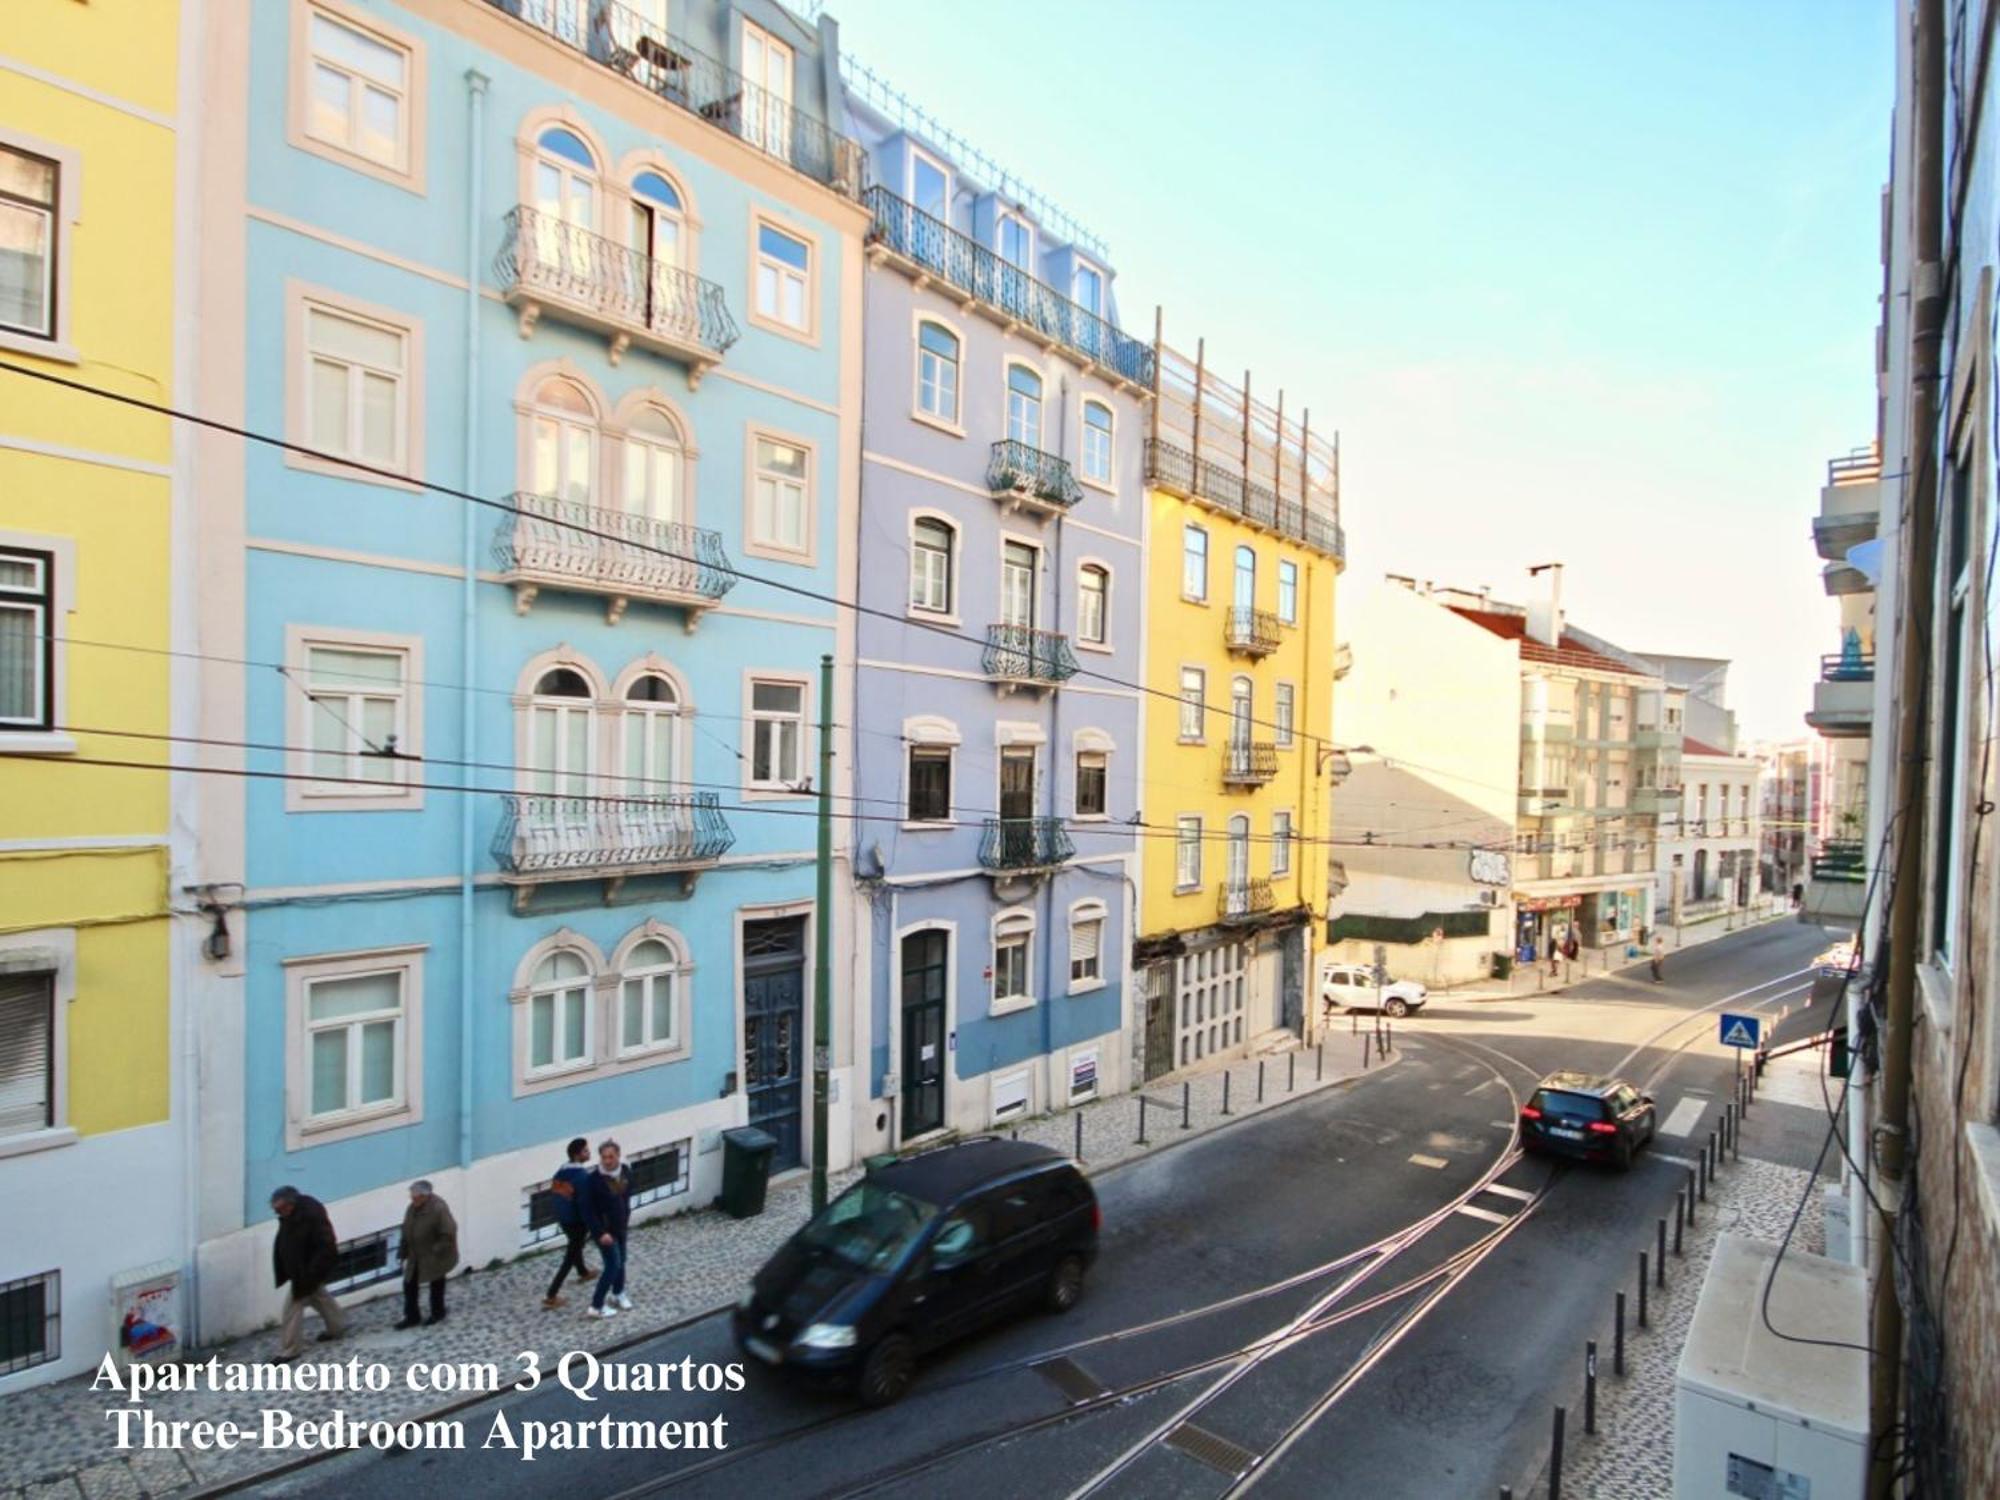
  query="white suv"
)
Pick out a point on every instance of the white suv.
point(1353, 987)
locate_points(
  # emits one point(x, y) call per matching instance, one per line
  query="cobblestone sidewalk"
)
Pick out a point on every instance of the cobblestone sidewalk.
point(56, 1441)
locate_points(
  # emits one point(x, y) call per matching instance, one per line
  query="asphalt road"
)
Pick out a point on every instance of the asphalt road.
point(1455, 1404)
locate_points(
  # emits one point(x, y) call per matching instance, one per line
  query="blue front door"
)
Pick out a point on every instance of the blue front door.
point(774, 990)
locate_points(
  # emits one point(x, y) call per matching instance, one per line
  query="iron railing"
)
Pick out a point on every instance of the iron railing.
point(1016, 468)
point(543, 254)
point(547, 835)
point(1843, 860)
point(561, 542)
point(619, 38)
point(1249, 762)
point(1017, 653)
point(1024, 844)
point(1243, 900)
point(1859, 467)
point(961, 261)
point(1254, 632)
point(1848, 667)
point(1176, 469)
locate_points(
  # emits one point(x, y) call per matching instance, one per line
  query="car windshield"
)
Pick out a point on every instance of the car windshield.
point(1559, 1102)
point(868, 1226)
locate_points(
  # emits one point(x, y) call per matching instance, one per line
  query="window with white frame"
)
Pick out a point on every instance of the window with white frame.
point(1955, 647)
point(1281, 712)
point(27, 639)
point(559, 1030)
point(357, 387)
point(1013, 939)
point(1092, 780)
point(1093, 596)
point(648, 1001)
point(1194, 704)
point(27, 1053)
point(30, 222)
point(359, 100)
point(562, 442)
point(1097, 442)
point(931, 546)
point(1281, 843)
point(1086, 945)
point(930, 784)
point(359, 721)
point(780, 503)
point(1288, 591)
point(1194, 563)
point(1187, 852)
point(649, 732)
point(777, 735)
point(355, 1043)
point(937, 372)
point(1089, 290)
point(784, 278)
point(561, 735)
point(1024, 406)
point(654, 459)
point(1017, 243)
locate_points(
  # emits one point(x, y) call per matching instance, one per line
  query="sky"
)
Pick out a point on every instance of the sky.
point(1592, 283)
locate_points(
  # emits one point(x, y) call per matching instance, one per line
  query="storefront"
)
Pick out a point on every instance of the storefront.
point(1538, 919)
point(1608, 918)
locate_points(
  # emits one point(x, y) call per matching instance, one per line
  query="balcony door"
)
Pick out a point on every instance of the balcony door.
point(653, 467)
point(1239, 863)
point(565, 205)
point(926, 961)
point(1017, 805)
point(660, 294)
point(563, 446)
point(1017, 586)
point(650, 754)
point(767, 107)
point(1243, 593)
point(1240, 715)
point(561, 738)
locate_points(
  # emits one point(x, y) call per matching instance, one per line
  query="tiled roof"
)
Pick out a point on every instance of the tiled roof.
point(1698, 747)
point(1571, 653)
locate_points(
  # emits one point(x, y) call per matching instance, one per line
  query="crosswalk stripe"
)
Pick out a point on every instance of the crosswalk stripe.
point(1482, 1213)
point(1508, 1192)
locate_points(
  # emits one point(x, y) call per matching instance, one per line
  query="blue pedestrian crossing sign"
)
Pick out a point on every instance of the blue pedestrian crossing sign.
point(1740, 1031)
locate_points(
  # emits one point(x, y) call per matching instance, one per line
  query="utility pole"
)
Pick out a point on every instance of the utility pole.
point(823, 938)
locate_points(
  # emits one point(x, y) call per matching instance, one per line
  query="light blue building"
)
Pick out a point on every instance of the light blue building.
point(527, 850)
point(1002, 521)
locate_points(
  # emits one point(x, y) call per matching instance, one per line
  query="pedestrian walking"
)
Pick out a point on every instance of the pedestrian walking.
point(607, 1212)
point(567, 1188)
point(1570, 946)
point(429, 1250)
point(1555, 953)
point(303, 1255)
point(1659, 959)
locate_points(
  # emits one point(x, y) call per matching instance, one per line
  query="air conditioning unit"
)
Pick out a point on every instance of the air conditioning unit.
point(1489, 897)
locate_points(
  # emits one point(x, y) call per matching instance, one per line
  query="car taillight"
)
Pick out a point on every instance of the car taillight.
point(1529, 1112)
point(1096, 1216)
point(1602, 1127)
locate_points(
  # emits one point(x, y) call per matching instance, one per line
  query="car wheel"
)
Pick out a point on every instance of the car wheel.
point(1065, 1284)
point(887, 1372)
point(1395, 1006)
point(1622, 1158)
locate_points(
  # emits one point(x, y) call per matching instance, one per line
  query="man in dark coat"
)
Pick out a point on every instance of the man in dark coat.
point(429, 1250)
point(567, 1187)
point(607, 1212)
point(302, 1260)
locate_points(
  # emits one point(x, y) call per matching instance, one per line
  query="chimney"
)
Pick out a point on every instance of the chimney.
point(1545, 603)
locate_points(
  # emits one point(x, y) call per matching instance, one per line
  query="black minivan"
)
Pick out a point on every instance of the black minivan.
point(921, 1251)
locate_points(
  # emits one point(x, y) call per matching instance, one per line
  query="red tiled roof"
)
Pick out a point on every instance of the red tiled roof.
point(1571, 653)
point(1697, 747)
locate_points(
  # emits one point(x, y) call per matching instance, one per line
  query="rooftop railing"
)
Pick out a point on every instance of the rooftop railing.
point(1848, 667)
point(1176, 469)
point(1859, 467)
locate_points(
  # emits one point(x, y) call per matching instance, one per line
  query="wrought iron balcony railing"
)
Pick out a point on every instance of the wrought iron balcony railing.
point(938, 250)
point(1858, 666)
point(1021, 475)
point(548, 838)
point(1253, 632)
point(1243, 900)
point(1018, 845)
point(551, 543)
point(1018, 654)
point(546, 263)
point(1249, 763)
point(1178, 470)
point(619, 38)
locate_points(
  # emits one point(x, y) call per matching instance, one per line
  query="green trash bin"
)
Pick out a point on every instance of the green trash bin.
point(746, 1170)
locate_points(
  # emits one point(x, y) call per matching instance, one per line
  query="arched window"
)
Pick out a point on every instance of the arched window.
point(658, 220)
point(1097, 442)
point(1239, 852)
point(1024, 405)
point(648, 998)
point(560, 735)
point(559, 1013)
point(1245, 588)
point(931, 545)
point(564, 183)
point(937, 372)
point(650, 755)
point(1240, 714)
point(562, 442)
point(653, 460)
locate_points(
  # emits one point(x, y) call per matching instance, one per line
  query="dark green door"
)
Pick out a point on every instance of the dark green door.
point(926, 956)
point(774, 990)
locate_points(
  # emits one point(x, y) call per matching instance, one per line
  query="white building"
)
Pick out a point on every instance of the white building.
point(1708, 860)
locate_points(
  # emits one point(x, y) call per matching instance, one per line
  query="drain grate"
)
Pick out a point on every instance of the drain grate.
point(1069, 1377)
point(1212, 1449)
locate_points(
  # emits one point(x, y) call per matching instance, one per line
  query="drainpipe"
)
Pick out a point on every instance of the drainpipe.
point(475, 86)
point(1049, 969)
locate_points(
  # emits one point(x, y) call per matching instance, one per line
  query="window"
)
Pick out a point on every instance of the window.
point(1097, 442)
point(1091, 768)
point(30, 1321)
point(562, 443)
point(29, 224)
point(783, 278)
point(1281, 843)
point(356, 387)
point(930, 187)
point(559, 1013)
point(937, 372)
point(930, 565)
point(1089, 290)
point(659, 1173)
point(1194, 564)
point(658, 225)
point(649, 750)
point(1288, 591)
point(1093, 592)
point(777, 730)
point(561, 735)
point(562, 243)
point(27, 639)
point(360, 93)
point(1194, 705)
point(1086, 945)
point(354, 1043)
point(930, 784)
point(1024, 406)
point(358, 724)
point(648, 1020)
point(1281, 712)
point(1017, 243)
point(780, 514)
point(27, 1054)
point(1187, 852)
point(1954, 620)
point(653, 458)
point(767, 65)
point(1013, 936)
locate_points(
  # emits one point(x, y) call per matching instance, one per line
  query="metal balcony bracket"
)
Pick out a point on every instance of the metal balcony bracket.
point(524, 597)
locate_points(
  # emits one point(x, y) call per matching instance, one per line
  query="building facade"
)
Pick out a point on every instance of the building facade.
point(94, 159)
point(558, 309)
point(1243, 549)
point(997, 735)
point(1709, 845)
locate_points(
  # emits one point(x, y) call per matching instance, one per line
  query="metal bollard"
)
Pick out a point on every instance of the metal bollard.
point(1353, 1022)
point(1319, 1051)
point(1142, 1121)
point(1187, 1089)
point(1660, 1256)
point(1556, 1458)
point(1679, 1214)
point(1643, 1278)
point(1388, 1036)
point(1364, 1051)
point(1291, 1069)
point(1079, 1135)
point(1701, 1175)
point(1260, 1080)
point(1225, 1090)
point(1618, 1339)
point(1015, 1134)
point(1590, 1388)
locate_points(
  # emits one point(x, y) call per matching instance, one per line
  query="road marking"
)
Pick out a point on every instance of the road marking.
point(1491, 1083)
point(1429, 1161)
point(1671, 1159)
point(1685, 1116)
point(1510, 1192)
point(1499, 1124)
point(1482, 1213)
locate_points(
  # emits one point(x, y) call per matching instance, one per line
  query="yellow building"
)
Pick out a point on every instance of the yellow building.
point(1244, 544)
point(92, 238)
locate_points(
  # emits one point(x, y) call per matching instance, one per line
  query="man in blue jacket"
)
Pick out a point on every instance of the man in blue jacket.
point(607, 1212)
point(567, 1188)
